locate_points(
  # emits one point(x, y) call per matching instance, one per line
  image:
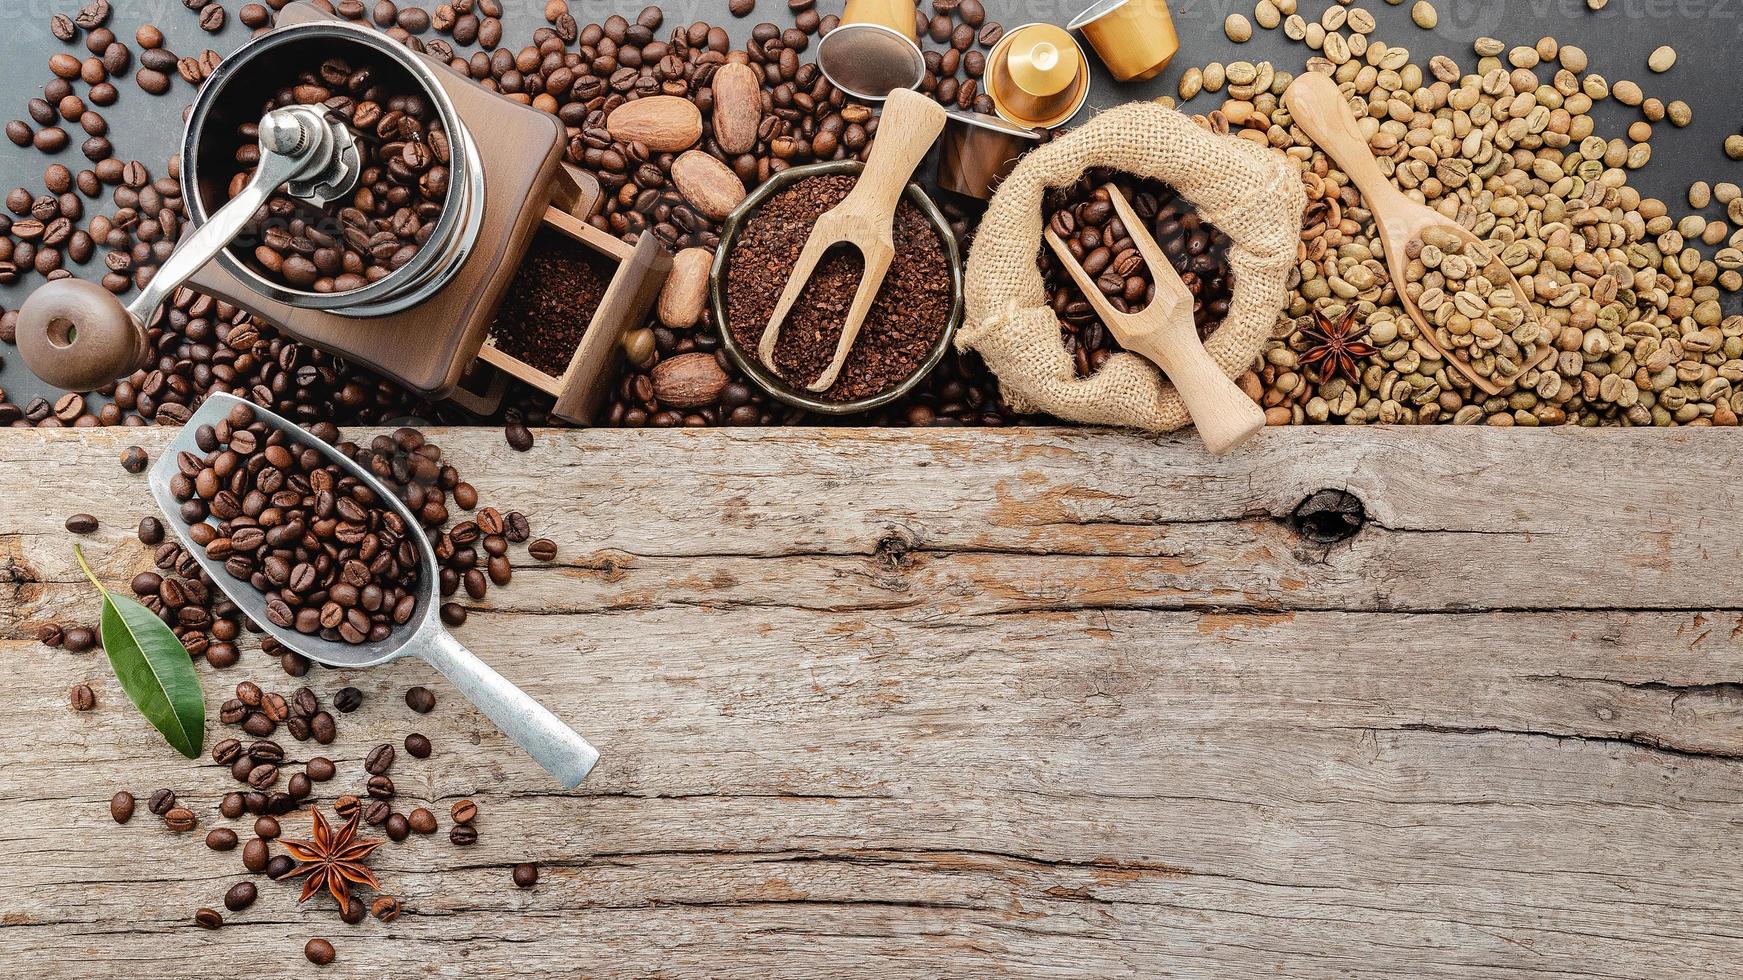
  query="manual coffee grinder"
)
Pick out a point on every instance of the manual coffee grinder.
point(427, 324)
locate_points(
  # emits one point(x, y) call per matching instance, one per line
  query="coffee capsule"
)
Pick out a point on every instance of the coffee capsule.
point(1037, 76)
point(1135, 38)
point(978, 151)
point(873, 51)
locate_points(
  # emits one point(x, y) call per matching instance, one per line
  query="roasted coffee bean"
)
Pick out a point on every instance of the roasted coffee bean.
point(279, 865)
point(179, 819)
point(465, 811)
point(322, 728)
point(453, 614)
point(150, 531)
point(134, 459)
point(386, 907)
point(526, 875)
point(267, 827)
point(208, 918)
point(379, 760)
point(227, 751)
point(121, 806)
point(51, 635)
point(161, 802)
point(348, 699)
point(255, 854)
point(320, 769)
point(397, 827)
point(381, 787)
point(544, 549)
point(422, 821)
point(81, 524)
point(319, 952)
point(347, 805)
point(520, 438)
point(82, 698)
point(463, 835)
point(417, 746)
point(420, 699)
point(212, 18)
point(221, 839)
point(376, 812)
point(240, 896)
point(231, 805)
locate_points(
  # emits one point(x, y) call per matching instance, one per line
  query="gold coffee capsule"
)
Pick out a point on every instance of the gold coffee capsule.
point(1037, 76)
point(873, 51)
point(978, 151)
point(1135, 38)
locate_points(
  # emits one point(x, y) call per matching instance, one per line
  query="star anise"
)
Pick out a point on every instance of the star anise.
point(1336, 345)
point(334, 859)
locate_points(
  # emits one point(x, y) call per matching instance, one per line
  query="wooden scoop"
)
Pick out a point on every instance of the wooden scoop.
point(906, 129)
point(1165, 333)
point(1321, 111)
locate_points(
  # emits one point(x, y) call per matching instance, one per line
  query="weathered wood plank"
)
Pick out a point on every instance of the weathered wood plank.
point(1049, 703)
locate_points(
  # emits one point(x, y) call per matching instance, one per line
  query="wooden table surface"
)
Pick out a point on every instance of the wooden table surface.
point(1055, 703)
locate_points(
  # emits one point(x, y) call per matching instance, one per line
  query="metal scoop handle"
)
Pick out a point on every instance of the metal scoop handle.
point(551, 743)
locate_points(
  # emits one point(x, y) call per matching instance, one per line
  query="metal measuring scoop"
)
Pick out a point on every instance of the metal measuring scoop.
point(77, 335)
point(551, 743)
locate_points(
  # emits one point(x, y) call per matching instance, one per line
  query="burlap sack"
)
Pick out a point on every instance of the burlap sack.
point(1251, 193)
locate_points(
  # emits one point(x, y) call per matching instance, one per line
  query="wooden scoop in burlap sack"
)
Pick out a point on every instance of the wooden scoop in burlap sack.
point(1253, 194)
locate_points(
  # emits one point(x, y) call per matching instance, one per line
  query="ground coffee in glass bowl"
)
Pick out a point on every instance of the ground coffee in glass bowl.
point(912, 311)
point(1083, 217)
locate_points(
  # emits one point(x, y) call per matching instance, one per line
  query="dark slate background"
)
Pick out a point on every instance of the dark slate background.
point(1707, 34)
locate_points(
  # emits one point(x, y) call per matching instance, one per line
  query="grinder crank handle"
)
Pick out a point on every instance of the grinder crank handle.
point(76, 335)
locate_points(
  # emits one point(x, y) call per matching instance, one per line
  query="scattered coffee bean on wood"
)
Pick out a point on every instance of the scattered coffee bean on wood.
point(420, 699)
point(319, 952)
point(82, 698)
point(81, 523)
point(208, 918)
point(910, 312)
point(121, 806)
point(526, 875)
point(240, 896)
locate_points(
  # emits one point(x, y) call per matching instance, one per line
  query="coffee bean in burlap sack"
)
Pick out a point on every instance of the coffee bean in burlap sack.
point(1250, 192)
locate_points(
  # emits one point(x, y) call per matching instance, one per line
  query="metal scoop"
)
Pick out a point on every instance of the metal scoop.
point(551, 743)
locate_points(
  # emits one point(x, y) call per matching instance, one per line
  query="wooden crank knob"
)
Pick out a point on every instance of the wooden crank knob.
point(76, 335)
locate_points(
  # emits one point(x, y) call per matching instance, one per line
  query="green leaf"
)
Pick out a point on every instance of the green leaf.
point(153, 668)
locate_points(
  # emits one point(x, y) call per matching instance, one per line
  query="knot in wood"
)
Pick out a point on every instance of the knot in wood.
point(1329, 516)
